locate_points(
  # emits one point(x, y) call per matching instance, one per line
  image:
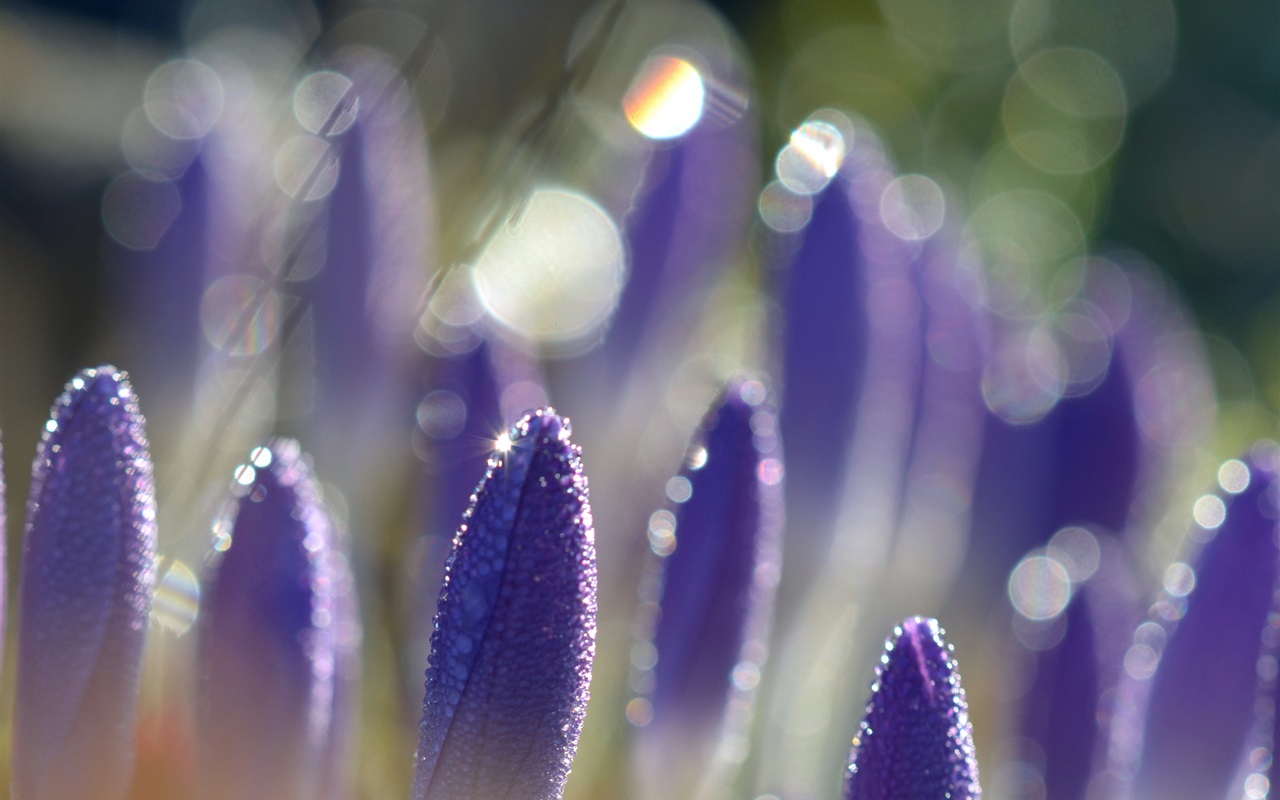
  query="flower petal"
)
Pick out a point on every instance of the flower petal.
point(691, 216)
point(1200, 708)
point(916, 740)
point(716, 594)
point(88, 571)
point(1066, 707)
point(515, 628)
point(277, 638)
point(379, 229)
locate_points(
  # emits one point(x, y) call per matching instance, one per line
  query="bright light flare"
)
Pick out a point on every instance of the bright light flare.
point(811, 158)
point(666, 98)
point(554, 274)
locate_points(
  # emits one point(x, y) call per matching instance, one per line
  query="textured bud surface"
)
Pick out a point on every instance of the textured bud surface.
point(515, 628)
point(916, 742)
point(88, 572)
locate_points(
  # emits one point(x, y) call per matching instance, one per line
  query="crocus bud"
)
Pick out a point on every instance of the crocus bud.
point(1073, 663)
point(720, 562)
point(1201, 704)
point(852, 343)
point(692, 213)
point(515, 627)
point(916, 740)
point(277, 638)
point(88, 572)
point(466, 401)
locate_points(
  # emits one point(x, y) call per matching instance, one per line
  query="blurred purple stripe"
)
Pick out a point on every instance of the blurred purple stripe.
point(825, 345)
point(852, 352)
point(695, 206)
point(379, 231)
point(717, 589)
point(1067, 707)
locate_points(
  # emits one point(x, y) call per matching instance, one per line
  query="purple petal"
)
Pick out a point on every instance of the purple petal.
point(1201, 704)
point(1102, 458)
point(717, 589)
point(1065, 714)
point(515, 628)
point(852, 343)
point(277, 639)
point(164, 285)
point(824, 352)
point(88, 570)
point(693, 214)
point(1077, 465)
point(916, 740)
point(378, 232)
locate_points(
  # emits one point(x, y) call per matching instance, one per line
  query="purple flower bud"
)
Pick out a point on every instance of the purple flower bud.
point(88, 571)
point(278, 638)
point(916, 740)
point(1074, 665)
point(692, 214)
point(464, 408)
point(825, 349)
point(1201, 704)
point(1134, 385)
point(1077, 465)
point(718, 574)
point(852, 342)
point(515, 627)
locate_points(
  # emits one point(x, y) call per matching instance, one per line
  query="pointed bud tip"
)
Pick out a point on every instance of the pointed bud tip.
point(916, 735)
point(543, 427)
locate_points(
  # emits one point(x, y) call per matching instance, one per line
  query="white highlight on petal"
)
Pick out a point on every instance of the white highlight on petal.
point(1039, 587)
point(316, 101)
point(913, 207)
point(1233, 476)
point(812, 157)
point(1210, 511)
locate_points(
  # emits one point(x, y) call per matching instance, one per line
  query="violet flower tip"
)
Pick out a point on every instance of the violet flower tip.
point(916, 739)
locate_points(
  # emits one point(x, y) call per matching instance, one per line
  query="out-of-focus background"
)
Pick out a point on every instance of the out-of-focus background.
point(1177, 104)
point(1053, 129)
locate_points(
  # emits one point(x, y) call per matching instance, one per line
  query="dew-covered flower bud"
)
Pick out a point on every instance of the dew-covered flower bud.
point(515, 627)
point(916, 740)
point(88, 573)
